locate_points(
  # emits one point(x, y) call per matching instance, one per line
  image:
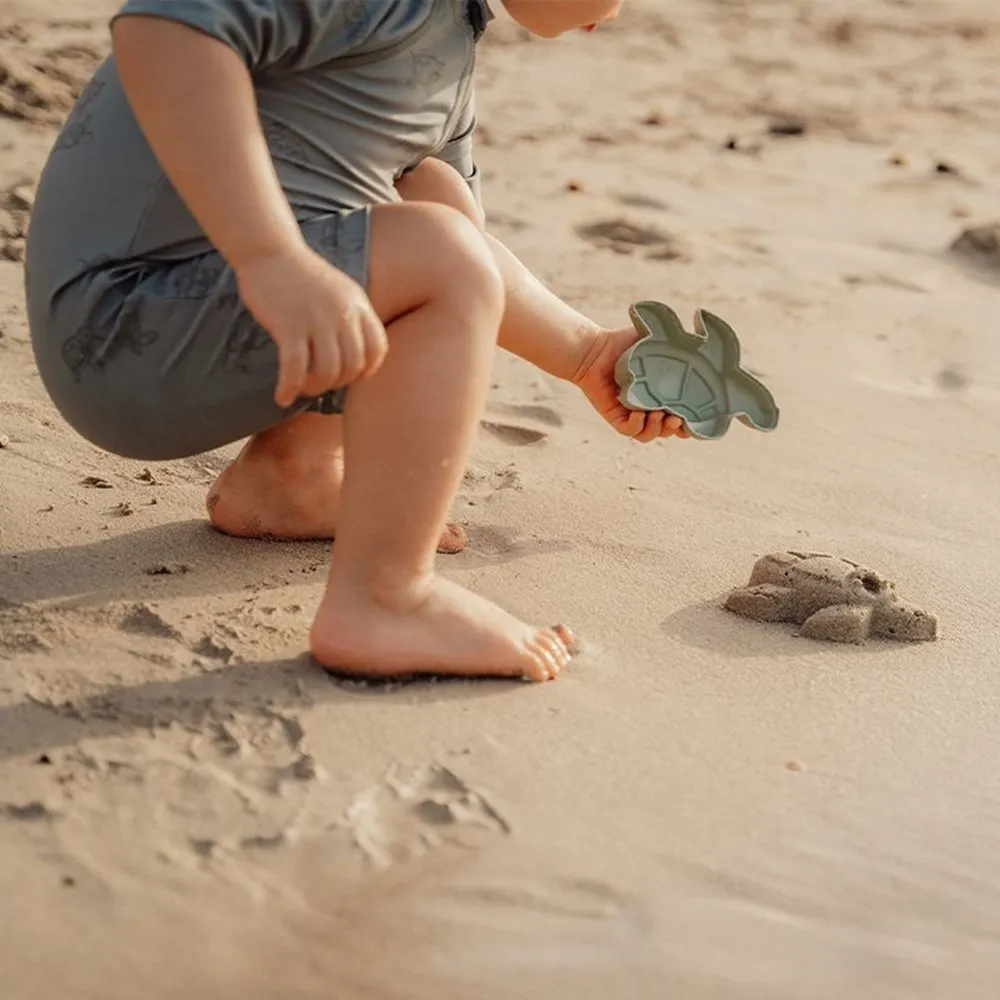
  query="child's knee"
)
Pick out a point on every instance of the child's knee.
point(466, 265)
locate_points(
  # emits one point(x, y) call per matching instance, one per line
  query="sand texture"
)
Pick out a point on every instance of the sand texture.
point(706, 807)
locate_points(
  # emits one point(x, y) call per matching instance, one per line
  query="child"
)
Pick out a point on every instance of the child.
point(257, 204)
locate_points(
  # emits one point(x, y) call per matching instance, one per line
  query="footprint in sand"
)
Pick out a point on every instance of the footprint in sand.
point(623, 237)
point(520, 433)
point(512, 434)
point(540, 414)
point(408, 814)
point(141, 619)
point(977, 249)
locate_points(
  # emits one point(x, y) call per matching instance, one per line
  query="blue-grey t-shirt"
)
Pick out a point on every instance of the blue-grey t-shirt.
point(351, 94)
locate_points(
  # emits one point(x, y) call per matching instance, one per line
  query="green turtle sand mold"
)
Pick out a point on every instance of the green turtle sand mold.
point(695, 376)
point(831, 599)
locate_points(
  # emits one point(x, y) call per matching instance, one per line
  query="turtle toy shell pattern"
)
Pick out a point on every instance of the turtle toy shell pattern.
point(695, 376)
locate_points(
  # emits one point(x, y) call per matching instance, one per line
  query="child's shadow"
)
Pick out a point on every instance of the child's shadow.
point(181, 559)
point(189, 558)
point(271, 688)
point(178, 560)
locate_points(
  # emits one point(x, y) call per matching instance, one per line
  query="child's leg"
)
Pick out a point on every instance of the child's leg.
point(286, 482)
point(408, 431)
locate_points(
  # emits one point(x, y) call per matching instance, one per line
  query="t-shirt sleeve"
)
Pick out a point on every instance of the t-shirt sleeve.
point(458, 151)
point(267, 34)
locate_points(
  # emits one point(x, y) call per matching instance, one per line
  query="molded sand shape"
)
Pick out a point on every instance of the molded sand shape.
point(695, 376)
point(831, 599)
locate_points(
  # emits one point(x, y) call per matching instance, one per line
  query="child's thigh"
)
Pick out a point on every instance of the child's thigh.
point(163, 361)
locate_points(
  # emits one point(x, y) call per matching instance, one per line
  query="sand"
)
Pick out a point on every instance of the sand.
point(705, 807)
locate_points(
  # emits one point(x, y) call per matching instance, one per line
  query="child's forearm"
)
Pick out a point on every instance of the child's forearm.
point(537, 325)
point(194, 100)
point(550, 18)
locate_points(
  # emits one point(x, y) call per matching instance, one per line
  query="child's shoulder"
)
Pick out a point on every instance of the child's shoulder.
point(292, 34)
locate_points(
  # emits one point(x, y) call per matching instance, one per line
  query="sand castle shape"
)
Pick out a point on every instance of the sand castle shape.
point(830, 599)
point(696, 376)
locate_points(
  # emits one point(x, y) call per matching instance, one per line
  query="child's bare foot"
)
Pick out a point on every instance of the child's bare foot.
point(434, 628)
point(263, 496)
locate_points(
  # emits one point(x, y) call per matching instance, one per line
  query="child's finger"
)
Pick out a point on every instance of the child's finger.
point(633, 423)
point(376, 344)
point(293, 362)
point(653, 427)
point(352, 352)
point(325, 364)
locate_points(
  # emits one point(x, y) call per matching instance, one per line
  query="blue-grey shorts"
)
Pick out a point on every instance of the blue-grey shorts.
point(160, 360)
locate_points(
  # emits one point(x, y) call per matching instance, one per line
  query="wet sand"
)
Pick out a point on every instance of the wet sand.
point(705, 807)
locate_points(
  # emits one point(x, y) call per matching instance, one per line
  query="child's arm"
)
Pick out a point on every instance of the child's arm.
point(550, 18)
point(539, 327)
point(194, 100)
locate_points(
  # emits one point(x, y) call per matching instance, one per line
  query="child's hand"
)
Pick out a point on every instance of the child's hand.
point(596, 378)
point(327, 331)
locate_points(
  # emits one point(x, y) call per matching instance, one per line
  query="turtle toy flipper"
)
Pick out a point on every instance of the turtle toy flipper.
point(749, 400)
point(695, 376)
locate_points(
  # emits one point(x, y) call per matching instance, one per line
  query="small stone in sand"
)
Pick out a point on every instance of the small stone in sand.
point(96, 483)
point(787, 127)
point(735, 144)
point(654, 118)
point(4, 440)
point(574, 185)
point(842, 32)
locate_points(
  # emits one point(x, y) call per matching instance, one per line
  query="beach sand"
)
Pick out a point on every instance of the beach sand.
point(705, 807)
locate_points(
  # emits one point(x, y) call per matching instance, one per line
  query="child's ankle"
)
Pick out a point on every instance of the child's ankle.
point(397, 589)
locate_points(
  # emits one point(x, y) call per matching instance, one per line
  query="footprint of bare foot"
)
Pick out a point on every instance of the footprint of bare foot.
point(625, 237)
point(248, 502)
point(444, 630)
point(512, 434)
point(529, 411)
